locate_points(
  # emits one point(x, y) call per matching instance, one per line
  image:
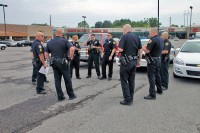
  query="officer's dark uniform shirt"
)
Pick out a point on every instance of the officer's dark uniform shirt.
point(167, 46)
point(37, 48)
point(155, 45)
point(130, 43)
point(94, 43)
point(109, 45)
point(76, 44)
point(58, 47)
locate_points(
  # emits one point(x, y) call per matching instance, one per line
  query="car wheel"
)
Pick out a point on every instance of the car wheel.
point(175, 76)
point(3, 48)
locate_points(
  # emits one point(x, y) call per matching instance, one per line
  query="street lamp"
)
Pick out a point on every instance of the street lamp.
point(190, 19)
point(84, 21)
point(4, 18)
point(158, 17)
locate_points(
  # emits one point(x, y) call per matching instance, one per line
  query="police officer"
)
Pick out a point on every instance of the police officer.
point(34, 68)
point(76, 61)
point(165, 60)
point(108, 56)
point(39, 61)
point(154, 49)
point(94, 55)
point(59, 47)
point(129, 46)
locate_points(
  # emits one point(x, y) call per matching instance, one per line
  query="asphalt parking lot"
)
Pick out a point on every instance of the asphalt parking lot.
point(96, 108)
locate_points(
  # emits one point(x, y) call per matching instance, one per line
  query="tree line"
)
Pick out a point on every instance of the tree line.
point(149, 22)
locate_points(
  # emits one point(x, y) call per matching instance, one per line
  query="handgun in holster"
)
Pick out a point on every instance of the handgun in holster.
point(149, 59)
point(50, 61)
point(124, 59)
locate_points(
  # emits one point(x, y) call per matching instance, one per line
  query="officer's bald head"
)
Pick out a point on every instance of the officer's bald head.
point(153, 32)
point(165, 35)
point(39, 36)
point(59, 32)
point(127, 28)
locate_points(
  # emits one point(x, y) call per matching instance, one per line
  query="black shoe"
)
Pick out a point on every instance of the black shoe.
point(61, 99)
point(71, 98)
point(159, 92)
point(79, 77)
point(46, 81)
point(150, 97)
point(88, 77)
point(125, 102)
point(43, 89)
point(164, 88)
point(33, 83)
point(42, 92)
point(109, 78)
point(102, 78)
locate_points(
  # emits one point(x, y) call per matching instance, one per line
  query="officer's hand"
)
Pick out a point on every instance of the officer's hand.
point(45, 65)
point(93, 46)
point(110, 57)
point(138, 64)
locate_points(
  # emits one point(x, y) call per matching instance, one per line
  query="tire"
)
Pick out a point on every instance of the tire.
point(175, 76)
point(3, 48)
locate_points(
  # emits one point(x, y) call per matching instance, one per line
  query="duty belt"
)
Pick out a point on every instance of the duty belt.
point(155, 57)
point(132, 57)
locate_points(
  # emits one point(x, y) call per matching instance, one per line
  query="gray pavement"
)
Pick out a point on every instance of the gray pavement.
point(96, 108)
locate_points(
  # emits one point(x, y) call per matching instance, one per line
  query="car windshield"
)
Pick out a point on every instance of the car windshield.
point(144, 42)
point(192, 47)
point(85, 38)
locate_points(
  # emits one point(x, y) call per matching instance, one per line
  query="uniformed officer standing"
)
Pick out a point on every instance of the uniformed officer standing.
point(108, 56)
point(59, 47)
point(39, 61)
point(165, 60)
point(94, 55)
point(34, 68)
point(76, 61)
point(154, 49)
point(129, 46)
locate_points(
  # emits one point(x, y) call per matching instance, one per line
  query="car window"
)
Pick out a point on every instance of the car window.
point(193, 47)
point(84, 38)
point(144, 43)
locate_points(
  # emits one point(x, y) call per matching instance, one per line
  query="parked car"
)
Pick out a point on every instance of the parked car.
point(176, 39)
point(187, 62)
point(2, 46)
point(143, 62)
point(24, 43)
point(83, 40)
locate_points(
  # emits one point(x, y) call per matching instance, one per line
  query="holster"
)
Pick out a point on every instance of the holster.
point(149, 59)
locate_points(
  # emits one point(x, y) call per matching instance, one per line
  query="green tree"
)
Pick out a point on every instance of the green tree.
point(120, 23)
point(98, 24)
point(45, 24)
point(106, 24)
point(173, 25)
point(83, 24)
point(153, 22)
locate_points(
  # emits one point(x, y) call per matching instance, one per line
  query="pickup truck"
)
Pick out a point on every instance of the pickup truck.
point(83, 40)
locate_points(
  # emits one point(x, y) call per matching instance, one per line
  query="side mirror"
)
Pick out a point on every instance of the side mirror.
point(178, 49)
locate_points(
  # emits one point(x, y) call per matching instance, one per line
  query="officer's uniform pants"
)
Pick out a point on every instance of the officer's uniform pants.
point(106, 62)
point(75, 63)
point(127, 77)
point(34, 73)
point(59, 71)
point(40, 78)
point(164, 73)
point(93, 57)
point(154, 76)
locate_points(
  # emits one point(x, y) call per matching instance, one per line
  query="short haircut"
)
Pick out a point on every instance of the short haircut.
point(93, 35)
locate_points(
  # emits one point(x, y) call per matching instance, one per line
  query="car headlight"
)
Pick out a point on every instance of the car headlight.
point(178, 61)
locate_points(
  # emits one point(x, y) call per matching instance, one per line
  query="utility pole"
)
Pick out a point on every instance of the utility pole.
point(50, 20)
point(158, 17)
point(170, 21)
point(4, 17)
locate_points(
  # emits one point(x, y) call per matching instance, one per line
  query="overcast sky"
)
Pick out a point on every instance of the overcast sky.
point(69, 12)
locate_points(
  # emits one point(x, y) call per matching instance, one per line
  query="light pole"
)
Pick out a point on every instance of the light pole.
point(190, 19)
point(4, 18)
point(84, 22)
point(158, 17)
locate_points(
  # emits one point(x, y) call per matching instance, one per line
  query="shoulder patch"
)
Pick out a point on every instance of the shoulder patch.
point(166, 44)
point(114, 42)
point(40, 46)
point(150, 41)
